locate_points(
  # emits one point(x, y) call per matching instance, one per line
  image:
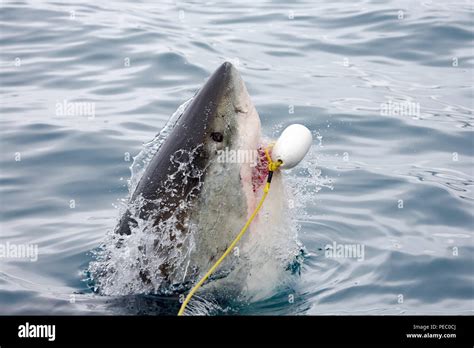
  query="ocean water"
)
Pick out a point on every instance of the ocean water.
point(386, 87)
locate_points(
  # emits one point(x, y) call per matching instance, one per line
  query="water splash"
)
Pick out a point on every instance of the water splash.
point(133, 264)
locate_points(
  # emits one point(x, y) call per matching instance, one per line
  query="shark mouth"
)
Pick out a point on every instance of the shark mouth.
point(260, 171)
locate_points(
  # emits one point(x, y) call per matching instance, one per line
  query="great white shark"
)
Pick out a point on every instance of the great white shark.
point(193, 203)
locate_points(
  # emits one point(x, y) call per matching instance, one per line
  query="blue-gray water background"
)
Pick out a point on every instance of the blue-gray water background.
point(399, 183)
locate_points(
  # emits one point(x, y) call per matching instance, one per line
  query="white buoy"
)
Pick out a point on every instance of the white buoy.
point(292, 145)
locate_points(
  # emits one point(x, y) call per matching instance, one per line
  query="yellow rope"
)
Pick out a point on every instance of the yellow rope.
point(272, 166)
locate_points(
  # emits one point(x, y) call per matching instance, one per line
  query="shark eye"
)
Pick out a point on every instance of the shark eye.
point(217, 136)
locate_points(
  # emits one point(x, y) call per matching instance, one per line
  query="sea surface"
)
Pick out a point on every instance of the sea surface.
point(386, 88)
